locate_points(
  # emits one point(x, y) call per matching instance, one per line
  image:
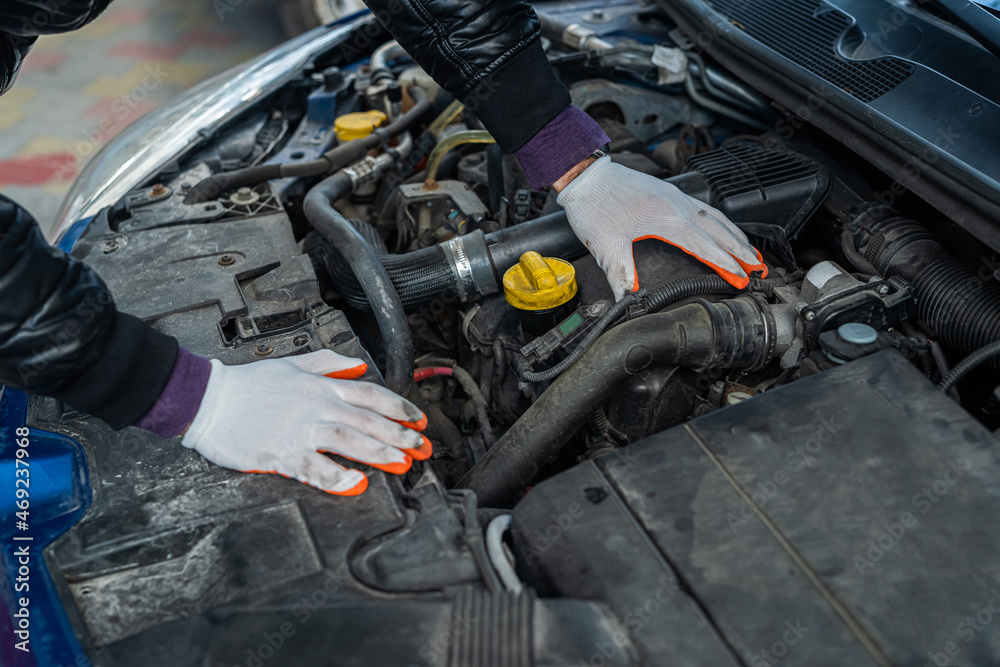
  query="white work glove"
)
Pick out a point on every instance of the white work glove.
point(610, 206)
point(277, 416)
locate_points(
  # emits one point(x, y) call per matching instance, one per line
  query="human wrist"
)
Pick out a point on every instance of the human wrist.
point(571, 175)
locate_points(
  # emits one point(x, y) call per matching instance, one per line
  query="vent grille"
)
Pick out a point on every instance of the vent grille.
point(806, 32)
point(740, 168)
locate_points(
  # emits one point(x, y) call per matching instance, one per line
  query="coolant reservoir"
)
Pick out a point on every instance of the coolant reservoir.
point(543, 289)
point(357, 125)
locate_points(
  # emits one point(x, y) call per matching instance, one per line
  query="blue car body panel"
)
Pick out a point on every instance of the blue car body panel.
point(59, 495)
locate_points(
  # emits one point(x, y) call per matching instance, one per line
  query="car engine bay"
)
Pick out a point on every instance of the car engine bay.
point(557, 429)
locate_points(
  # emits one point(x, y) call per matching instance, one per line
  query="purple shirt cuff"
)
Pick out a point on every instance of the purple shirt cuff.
point(559, 146)
point(179, 401)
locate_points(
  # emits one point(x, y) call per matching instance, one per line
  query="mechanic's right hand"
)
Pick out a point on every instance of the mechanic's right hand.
point(278, 415)
point(610, 206)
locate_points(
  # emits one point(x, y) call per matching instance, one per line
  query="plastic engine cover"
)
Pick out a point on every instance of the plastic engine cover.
point(848, 519)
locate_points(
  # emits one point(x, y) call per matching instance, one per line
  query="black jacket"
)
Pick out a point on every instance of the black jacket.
point(486, 53)
point(22, 21)
point(60, 334)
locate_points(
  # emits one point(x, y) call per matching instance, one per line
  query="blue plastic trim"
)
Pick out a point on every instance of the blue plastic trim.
point(60, 495)
point(73, 234)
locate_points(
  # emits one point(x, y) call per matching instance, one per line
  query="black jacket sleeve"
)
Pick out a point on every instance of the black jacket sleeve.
point(22, 21)
point(487, 54)
point(61, 336)
point(31, 18)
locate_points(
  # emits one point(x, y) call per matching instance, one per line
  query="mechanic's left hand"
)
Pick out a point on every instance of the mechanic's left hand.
point(610, 206)
point(279, 415)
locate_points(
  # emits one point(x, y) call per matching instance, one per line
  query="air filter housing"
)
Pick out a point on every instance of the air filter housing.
point(758, 183)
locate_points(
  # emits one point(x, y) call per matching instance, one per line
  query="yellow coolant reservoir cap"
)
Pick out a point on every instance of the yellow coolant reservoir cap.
point(539, 283)
point(357, 125)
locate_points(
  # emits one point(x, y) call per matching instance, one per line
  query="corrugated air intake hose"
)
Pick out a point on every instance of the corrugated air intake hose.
point(958, 303)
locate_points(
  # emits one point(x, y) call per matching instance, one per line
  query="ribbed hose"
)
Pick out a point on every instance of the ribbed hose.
point(418, 277)
point(423, 275)
point(955, 304)
point(654, 301)
point(371, 275)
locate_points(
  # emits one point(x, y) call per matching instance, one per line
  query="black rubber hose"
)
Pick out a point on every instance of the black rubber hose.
point(549, 236)
point(333, 160)
point(663, 296)
point(730, 334)
point(423, 275)
point(418, 278)
point(656, 300)
point(372, 276)
point(853, 256)
point(963, 367)
point(955, 304)
point(958, 307)
point(479, 402)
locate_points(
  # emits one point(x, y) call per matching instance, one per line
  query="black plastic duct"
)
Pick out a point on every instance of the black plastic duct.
point(732, 334)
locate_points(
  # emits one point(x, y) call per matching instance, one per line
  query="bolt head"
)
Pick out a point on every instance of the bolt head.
point(227, 260)
point(810, 316)
point(263, 350)
point(158, 191)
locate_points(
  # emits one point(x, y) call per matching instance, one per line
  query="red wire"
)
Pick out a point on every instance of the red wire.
point(429, 372)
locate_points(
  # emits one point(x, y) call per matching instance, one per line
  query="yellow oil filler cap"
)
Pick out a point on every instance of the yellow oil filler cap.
point(357, 125)
point(539, 283)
